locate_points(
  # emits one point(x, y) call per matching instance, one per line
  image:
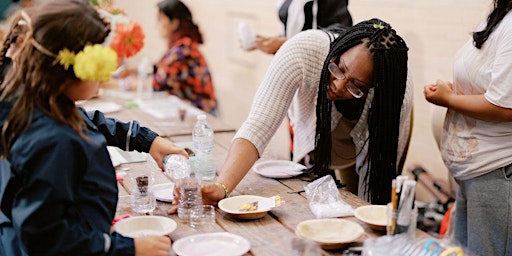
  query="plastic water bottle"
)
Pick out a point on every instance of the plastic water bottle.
point(144, 75)
point(176, 166)
point(202, 136)
point(190, 195)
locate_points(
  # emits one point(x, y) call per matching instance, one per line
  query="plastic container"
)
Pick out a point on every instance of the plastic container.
point(176, 166)
point(190, 195)
point(247, 37)
point(202, 136)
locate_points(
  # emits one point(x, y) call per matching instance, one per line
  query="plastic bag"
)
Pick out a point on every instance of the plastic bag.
point(325, 200)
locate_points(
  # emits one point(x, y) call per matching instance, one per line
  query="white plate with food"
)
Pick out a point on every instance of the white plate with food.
point(212, 244)
point(164, 192)
point(278, 169)
point(232, 206)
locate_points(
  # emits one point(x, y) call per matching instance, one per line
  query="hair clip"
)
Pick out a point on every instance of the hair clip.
point(378, 26)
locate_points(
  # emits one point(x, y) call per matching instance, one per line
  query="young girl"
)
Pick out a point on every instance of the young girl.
point(57, 185)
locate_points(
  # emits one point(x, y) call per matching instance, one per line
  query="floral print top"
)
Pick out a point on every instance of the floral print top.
point(183, 72)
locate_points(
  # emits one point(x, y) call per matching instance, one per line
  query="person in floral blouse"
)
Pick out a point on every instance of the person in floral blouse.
point(183, 71)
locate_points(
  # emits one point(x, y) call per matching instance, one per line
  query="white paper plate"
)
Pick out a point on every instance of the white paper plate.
point(278, 169)
point(105, 107)
point(212, 244)
point(329, 233)
point(164, 192)
point(231, 206)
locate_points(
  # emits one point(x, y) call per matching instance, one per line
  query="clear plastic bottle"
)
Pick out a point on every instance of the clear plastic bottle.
point(176, 166)
point(144, 76)
point(202, 136)
point(190, 195)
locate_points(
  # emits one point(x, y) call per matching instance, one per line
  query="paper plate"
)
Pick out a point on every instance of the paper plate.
point(164, 192)
point(212, 244)
point(232, 204)
point(330, 233)
point(278, 169)
point(373, 215)
point(140, 226)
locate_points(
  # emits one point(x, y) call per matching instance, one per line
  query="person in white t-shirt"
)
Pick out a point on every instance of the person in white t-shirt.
point(476, 144)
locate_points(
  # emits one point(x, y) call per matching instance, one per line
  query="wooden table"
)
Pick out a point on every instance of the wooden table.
point(165, 121)
point(270, 235)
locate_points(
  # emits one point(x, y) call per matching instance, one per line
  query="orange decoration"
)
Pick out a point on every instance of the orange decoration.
point(128, 39)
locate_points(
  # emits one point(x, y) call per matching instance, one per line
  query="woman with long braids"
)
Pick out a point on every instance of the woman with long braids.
point(476, 143)
point(358, 80)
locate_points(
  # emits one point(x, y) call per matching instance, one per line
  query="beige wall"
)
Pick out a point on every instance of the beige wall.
point(433, 29)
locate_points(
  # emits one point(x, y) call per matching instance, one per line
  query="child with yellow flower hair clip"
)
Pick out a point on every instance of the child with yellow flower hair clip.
point(57, 184)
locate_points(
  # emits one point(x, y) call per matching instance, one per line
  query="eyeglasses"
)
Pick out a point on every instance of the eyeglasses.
point(353, 86)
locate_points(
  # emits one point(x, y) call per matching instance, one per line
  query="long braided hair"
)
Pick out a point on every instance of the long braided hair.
point(389, 82)
point(501, 8)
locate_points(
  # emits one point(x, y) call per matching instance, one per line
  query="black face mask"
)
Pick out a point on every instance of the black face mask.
point(350, 109)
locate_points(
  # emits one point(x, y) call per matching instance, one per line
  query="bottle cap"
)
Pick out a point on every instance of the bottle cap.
point(201, 117)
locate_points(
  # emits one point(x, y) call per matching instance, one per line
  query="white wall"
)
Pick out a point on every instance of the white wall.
point(433, 29)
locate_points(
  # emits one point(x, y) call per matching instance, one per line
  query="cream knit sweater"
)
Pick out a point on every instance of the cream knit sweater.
point(291, 84)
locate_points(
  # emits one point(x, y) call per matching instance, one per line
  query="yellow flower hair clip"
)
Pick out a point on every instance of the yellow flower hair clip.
point(66, 58)
point(95, 63)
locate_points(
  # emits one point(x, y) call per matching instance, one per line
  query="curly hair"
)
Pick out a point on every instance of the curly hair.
point(389, 78)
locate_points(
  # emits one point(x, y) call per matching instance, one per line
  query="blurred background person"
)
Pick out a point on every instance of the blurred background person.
point(300, 15)
point(182, 70)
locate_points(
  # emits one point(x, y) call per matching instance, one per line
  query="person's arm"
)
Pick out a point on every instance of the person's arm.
point(269, 45)
point(475, 106)
point(43, 211)
point(493, 105)
point(138, 137)
point(287, 71)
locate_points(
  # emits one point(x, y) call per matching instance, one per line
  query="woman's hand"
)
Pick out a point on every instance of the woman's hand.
point(269, 45)
point(152, 245)
point(439, 93)
point(161, 147)
point(211, 194)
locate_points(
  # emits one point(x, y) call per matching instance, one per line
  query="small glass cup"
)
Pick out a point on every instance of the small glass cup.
point(143, 199)
point(202, 217)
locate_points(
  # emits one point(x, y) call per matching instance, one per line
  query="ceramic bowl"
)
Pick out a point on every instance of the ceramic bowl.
point(232, 204)
point(139, 226)
point(375, 216)
point(330, 233)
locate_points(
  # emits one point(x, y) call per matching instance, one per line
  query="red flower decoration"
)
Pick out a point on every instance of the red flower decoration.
point(128, 39)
